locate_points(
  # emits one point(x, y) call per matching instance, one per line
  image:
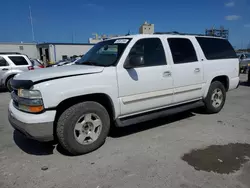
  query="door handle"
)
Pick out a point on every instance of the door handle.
point(197, 70)
point(167, 74)
point(5, 69)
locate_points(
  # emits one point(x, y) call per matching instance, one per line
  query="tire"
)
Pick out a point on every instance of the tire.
point(66, 127)
point(8, 86)
point(211, 105)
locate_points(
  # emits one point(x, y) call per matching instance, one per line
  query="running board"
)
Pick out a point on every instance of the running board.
point(122, 122)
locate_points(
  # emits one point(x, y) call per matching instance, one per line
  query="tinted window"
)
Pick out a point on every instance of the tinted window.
point(182, 50)
point(18, 60)
point(3, 62)
point(214, 48)
point(152, 51)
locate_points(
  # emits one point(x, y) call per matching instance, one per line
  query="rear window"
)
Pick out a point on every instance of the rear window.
point(18, 60)
point(214, 48)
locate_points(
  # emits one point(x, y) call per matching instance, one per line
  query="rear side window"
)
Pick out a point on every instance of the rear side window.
point(182, 50)
point(18, 60)
point(3, 62)
point(214, 48)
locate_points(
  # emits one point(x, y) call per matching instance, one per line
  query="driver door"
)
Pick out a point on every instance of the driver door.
point(149, 86)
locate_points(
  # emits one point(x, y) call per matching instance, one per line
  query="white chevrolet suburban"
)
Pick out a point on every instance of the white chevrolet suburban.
point(122, 81)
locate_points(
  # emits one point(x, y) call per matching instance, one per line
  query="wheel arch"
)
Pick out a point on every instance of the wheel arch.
point(101, 98)
point(8, 77)
point(224, 79)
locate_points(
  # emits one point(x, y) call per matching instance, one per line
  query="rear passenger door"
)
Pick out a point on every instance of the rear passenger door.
point(149, 86)
point(187, 70)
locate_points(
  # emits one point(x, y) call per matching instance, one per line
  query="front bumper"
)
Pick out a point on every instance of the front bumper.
point(35, 126)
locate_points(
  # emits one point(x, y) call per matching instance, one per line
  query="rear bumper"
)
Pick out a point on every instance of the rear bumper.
point(32, 125)
point(234, 83)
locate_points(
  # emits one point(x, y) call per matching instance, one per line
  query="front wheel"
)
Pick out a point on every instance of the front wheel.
point(216, 97)
point(83, 127)
point(8, 86)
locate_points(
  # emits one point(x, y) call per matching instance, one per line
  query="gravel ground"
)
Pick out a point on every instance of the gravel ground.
point(147, 155)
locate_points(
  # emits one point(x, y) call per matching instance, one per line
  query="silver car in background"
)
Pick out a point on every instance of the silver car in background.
point(10, 65)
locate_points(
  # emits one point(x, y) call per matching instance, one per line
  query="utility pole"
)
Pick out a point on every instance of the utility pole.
point(73, 37)
point(31, 23)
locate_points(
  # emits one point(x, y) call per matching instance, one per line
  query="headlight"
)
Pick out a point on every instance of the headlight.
point(29, 94)
point(29, 101)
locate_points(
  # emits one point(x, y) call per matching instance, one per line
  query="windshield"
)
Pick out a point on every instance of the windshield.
point(106, 53)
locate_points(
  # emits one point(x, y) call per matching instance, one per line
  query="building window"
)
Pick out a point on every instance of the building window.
point(64, 57)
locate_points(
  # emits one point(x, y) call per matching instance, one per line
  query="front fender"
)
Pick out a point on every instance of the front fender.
point(55, 91)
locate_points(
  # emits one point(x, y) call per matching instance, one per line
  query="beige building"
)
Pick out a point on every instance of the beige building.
point(54, 52)
point(147, 28)
point(28, 49)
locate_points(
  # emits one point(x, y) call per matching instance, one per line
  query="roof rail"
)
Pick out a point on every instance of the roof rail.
point(5, 53)
point(177, 33)
point(171, 33)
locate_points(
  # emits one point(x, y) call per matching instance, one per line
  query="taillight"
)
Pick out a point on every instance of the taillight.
point(31, 68)
point(41, 66)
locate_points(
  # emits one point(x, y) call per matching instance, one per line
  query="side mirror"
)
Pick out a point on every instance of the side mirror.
point(134, 61)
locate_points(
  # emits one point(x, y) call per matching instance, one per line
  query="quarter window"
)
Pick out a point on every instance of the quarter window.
point(152, 51)
point(215, 48)
point(18, 60)
point(3, 62)
point(182, 50)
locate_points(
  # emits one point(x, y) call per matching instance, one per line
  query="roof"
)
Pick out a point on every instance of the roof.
point(58, 43)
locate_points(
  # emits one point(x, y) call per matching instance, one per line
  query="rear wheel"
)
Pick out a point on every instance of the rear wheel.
point(83, 127)
point(216, 97)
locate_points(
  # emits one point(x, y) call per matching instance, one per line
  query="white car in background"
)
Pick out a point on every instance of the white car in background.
point(11, 64)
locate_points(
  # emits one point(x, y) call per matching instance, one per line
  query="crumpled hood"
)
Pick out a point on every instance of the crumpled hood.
point(58, 72)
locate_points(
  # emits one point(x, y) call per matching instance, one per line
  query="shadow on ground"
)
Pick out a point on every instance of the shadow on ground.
point(3, 90)
point(39, 148)
point(124, 131)
point(246, 83)
point(31, 146)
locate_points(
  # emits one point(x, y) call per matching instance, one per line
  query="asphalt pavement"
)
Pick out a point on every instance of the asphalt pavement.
point(147, 155)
